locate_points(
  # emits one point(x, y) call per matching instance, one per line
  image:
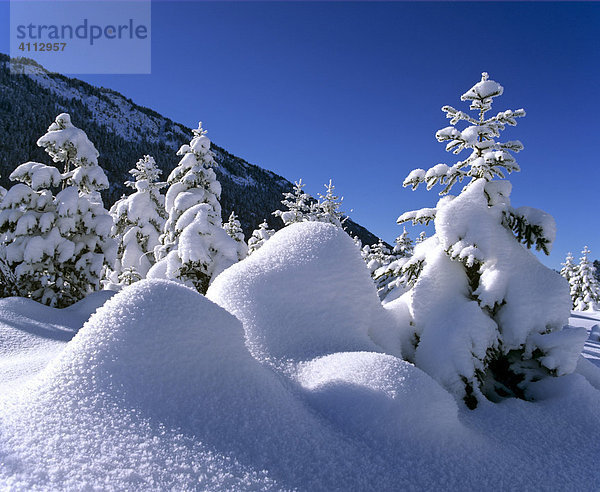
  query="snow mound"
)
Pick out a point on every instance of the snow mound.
point(306, 293)
point(31, 334)
point(378, 396)
point(158, 390)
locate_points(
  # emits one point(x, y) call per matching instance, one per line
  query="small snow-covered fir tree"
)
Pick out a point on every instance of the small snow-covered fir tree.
point(403, 246)
point(328, 207)
point(585, 291)
point(421, 238)
point(259, 237)
point(377, 256)
point(487, 315)
point(138, 223)
point(233, 228)
point(569, 269)
point(194, 246)
point(300, 207)
point(390, 278)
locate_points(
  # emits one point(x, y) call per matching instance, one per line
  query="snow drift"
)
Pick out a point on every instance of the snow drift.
point(306, 293)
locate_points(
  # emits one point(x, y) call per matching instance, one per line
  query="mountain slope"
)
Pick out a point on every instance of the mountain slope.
point(123, 132)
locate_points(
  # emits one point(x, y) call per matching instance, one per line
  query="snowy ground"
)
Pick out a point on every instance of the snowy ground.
point(589, 320)
point(274, 381)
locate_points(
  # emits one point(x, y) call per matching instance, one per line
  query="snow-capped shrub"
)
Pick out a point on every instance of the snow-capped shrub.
point(233, 228)
point(488, 316)
point(585, 291)
point(259, 237)
point(139, 221)
point(194, 246)
point(56, 247)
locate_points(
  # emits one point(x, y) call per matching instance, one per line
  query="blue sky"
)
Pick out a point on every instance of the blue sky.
point(353, 91)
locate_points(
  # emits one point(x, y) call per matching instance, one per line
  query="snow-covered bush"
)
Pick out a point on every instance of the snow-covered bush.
point(194, 246)
point(139, 221)
point(488, 316)
point(233, 228)
point(585, 291)
point(259, 237)
point(57, 247)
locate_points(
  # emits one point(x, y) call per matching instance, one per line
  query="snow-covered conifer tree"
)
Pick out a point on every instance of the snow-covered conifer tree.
point(328, 207)
point(233, 227)
point(259, 237)
point(29, 240)
point(194, 246)
point(585, 290)
point(57, 246)
point(403, 246)
point(421, 238)
point(390, 278)
point(138, 223)
point(69, 145)
point(377, 256)
point(300, 207)
point(569, 269)
point(487, 315)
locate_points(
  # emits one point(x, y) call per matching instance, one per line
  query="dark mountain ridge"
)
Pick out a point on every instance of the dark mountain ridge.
point(123, 132)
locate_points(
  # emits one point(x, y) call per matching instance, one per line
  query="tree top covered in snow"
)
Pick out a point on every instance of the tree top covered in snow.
point(488, 158)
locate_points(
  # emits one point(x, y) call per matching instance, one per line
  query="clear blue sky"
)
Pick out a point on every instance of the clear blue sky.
point(353, 91)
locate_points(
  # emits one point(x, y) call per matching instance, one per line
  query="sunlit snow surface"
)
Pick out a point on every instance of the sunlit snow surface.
point(284, 377)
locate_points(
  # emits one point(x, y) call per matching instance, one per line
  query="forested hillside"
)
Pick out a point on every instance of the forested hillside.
point(123, 132)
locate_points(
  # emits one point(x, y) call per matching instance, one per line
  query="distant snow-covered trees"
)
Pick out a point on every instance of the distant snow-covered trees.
point(138, 223)
point(57, 247)
point(301, 207)
point(233, 228)
point(298, 204)
point(328, 207)
point(259, 237)
point(194, 246)
point(474, 283)
point(585, 289)
point(389, 278)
